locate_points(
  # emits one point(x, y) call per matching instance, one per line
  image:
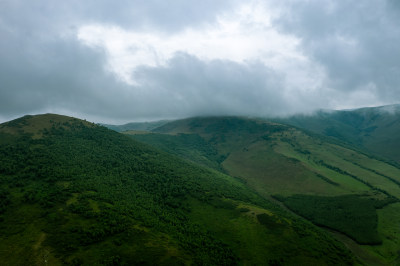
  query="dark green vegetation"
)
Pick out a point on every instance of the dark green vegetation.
point(375, 129)
point(352, 215)
point(75, 193)
point(274, 159)
point(189, 146)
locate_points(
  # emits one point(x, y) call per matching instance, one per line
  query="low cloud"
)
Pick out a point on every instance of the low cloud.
point(137, 60)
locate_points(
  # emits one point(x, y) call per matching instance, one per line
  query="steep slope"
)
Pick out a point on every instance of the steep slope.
point(376, 129)
point(75, 193)
point(310, 174)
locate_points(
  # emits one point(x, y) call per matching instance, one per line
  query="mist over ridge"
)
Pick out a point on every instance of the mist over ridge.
point(151, 61)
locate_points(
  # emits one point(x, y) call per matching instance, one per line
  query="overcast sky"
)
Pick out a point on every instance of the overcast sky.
point(135, 60)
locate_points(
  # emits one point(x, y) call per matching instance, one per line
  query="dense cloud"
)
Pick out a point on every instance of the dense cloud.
point(357, 42)
point(111, 61)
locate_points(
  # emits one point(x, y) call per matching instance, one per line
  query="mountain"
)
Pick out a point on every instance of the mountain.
point(324, 180)
point(376, 129)
point(137, 126)
point(75, 193)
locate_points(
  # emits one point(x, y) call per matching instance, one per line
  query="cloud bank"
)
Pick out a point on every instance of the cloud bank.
point(122, 61)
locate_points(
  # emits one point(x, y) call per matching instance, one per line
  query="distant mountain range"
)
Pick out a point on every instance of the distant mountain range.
point(375, 129)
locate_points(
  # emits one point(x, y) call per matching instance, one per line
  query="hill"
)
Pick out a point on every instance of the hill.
point(138, 126)
point(376, 129)
point(74, 193)
point(324, 180)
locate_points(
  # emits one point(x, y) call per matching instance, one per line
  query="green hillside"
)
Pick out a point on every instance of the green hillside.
point(139, 126)
point(376, 129)
point(312, 175)
point(74, 193)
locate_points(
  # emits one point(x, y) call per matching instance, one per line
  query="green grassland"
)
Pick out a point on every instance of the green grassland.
point(73, 193)
point(275, 159)
point(278, 156)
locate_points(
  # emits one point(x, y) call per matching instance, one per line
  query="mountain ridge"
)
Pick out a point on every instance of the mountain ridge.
point(375, 129)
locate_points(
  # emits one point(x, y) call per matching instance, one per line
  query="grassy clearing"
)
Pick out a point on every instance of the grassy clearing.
point(348, 185)
point(341, 165)
point(358, 165)
point(270, 173)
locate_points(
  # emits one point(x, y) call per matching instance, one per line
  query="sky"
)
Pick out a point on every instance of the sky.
point(130, 60)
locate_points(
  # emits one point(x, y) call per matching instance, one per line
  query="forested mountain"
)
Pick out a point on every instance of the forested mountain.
point(376, 129)
point(74, 193)
point(326, 181)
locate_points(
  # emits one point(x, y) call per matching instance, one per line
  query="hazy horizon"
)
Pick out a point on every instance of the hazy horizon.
point(117, 122)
